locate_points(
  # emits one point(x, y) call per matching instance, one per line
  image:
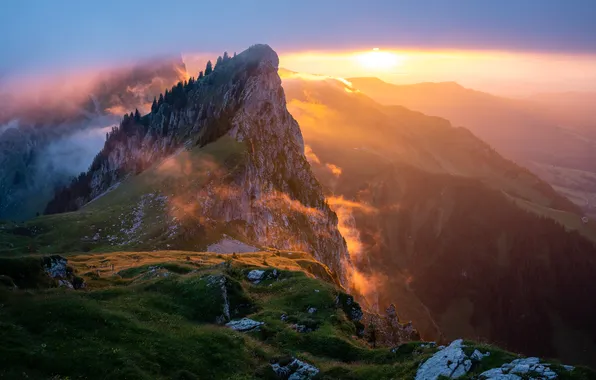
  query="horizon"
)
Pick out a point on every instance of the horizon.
point(507, 48)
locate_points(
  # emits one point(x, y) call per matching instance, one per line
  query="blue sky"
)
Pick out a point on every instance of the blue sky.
point(44, 35)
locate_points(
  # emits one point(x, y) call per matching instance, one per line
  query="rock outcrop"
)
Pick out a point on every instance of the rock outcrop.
point(267, 193)
point(244, 324)
point(295, 370)
point(450, 362)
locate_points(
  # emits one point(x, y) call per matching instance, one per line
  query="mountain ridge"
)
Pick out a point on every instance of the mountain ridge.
point(262, 189)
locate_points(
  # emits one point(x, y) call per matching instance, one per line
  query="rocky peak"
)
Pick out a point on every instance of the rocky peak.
point(267, 192)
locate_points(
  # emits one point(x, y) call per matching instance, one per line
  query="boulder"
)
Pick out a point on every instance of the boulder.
point(295, 370)
point(255, 276)
point(244, 325)
point(450, 362)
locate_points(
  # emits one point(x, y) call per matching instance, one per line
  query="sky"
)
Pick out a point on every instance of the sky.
point(40, 37)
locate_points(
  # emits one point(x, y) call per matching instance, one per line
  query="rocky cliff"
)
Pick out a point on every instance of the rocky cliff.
point(263, 193)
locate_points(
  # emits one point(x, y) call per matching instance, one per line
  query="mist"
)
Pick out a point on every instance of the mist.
point(73, 153)
point(58, 124)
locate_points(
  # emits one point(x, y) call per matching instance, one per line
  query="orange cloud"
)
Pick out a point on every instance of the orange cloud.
point(336, 170)
point(310, 155)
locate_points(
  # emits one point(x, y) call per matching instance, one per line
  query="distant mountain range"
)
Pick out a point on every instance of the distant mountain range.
point(552, 135)
point(443, 226)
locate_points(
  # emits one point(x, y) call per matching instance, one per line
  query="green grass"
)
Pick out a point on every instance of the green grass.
point(141, 327)
point(157, 196)
point(158, 315)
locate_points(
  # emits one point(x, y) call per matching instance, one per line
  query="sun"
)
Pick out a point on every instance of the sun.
point(379, 60)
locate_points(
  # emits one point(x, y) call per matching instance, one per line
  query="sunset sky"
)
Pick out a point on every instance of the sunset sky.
point(498, 46)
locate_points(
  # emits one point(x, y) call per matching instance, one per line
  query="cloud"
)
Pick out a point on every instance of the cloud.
point(280, 201)
point(336, 170)
point(310, 155)
point(73, 153)
point(13, 124)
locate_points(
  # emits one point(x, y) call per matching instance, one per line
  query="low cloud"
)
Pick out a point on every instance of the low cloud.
point(310, 155)
point(73, 153)
point(281, 201)
point(335, 170)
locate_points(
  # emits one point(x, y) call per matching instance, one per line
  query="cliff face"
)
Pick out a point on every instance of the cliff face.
point(264, 193)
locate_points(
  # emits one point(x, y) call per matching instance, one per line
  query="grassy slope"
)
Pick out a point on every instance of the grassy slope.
point(137, 325)
point(155, 198)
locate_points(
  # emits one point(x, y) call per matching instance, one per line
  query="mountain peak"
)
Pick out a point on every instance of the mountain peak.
point(221, 153)
point(263, 53)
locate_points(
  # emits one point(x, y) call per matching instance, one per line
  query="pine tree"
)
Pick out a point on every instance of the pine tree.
point(226, 57)
point(201, 75)
point(160, 101)
point(209, 68)
point(166, 96)
point(234, 54)
point(137, 116)
point(218, 62)
point(154, 105)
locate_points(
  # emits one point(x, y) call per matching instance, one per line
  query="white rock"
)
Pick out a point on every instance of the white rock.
point(451, 362)
point(477, 355)
point(518, 368)
point(244, 324)
point(296, 370)
point(255, 275)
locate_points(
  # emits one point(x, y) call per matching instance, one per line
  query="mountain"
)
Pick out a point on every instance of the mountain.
point(219, 165)
point(218, 155)
point(531, 133)
point(463, 241)
point(45, 140)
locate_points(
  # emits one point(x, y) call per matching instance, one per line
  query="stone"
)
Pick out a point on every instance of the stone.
point(451, 362)
point(312, 310)
point(295, 370)
point(477, 355)
point(244, 324)
point(55, 266)
point(520, 368)
point(255, 276)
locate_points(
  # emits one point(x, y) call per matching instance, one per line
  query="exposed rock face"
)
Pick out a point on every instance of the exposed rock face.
point(56, 267)
point(526, 368)
point(244, 324)
point(450, 362)
point(295, 370)
point(270, 195)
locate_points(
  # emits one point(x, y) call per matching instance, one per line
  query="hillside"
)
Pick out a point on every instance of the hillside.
point(194, 315)
point(206, 211)
point(444, 227)
point(531, 131)
point(217, 156)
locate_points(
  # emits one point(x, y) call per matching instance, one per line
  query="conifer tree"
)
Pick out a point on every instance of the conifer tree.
point(201, 75)
point(209, 68)
point(160, 101)
point(219, 61)
point(154, 105)
point(226, 57)
point(137, 115)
